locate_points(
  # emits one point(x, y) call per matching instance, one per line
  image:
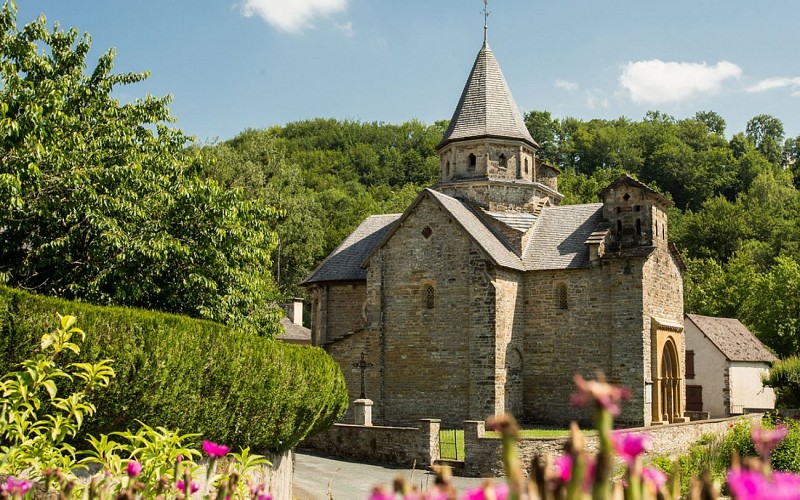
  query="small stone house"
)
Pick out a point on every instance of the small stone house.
point(486, 296)
point(724, 363)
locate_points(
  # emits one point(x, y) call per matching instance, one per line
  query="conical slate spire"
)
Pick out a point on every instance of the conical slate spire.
point(486, 107)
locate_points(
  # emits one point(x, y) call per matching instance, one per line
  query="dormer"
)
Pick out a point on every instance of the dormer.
point(636, 214)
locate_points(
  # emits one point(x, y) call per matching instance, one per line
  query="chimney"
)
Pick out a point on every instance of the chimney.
point(294, 311)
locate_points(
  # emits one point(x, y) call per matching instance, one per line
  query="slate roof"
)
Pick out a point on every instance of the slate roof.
point(732, 338)
point(521, 221)
point(559, 238)
point(344, 263)
point(294, 332)
point(486, 107)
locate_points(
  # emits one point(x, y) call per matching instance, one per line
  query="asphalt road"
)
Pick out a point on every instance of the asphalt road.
point(315, 476)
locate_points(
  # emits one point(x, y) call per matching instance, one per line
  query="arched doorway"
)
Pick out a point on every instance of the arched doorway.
point(670, 383)
point(666, 373)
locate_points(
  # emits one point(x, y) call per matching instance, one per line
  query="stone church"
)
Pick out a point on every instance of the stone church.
point(487, 296)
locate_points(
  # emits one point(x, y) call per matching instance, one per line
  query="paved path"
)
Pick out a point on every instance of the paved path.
point(352, 480)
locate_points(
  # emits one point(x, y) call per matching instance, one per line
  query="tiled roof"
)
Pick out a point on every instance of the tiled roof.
point(492, 243)
point(486, 107)
point(344, 263)
point(521, 221)
point(292, 331)
point(732, 338)
point(559, 238)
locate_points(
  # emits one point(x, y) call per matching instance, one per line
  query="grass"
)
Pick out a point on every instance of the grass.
point(452, 441)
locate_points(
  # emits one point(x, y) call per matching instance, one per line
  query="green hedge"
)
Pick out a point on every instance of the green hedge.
point(187, 374)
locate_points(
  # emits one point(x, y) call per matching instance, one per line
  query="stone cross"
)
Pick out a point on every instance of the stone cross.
point(363, 365)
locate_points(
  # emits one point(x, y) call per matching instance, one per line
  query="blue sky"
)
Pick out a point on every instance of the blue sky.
point(237, 64)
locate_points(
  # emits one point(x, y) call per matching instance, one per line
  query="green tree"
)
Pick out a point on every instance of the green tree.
point(767, 134)
point(773, 310)
point(101, 200)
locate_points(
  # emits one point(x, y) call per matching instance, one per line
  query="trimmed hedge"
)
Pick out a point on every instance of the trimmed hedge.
point(187, 374)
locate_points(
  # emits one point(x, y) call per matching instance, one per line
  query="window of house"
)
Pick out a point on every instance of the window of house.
point(430, 297)
point(638, 227)
point(427, 232)
point(447, 170)
point(473, 161)
point(526, 165)
point(562, 297)
point(503, 161)
point(626, 197)
point(619, 227)
point(689, 365)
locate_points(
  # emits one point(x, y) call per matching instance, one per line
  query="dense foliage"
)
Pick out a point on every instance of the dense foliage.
point(101, 201)
point(784, 377)
point(181, 373)
point(326, 176)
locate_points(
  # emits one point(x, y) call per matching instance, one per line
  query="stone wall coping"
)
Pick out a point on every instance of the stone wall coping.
point(378, 427)
point(652, 428)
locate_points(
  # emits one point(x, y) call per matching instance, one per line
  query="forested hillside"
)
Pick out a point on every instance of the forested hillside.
point(736, 215)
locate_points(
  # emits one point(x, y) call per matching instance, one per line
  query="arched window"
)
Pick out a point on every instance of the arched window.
point(430, 297)
point(473, 161)
point(503, 161)
point(562, 297)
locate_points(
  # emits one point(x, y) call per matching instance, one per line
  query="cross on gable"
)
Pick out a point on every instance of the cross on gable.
point(363, 364)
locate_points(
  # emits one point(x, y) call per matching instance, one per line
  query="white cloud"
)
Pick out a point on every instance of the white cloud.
point(657, 81)
point(776, 83)
point(596, 99)
point(567, 85)
point(347, 29)
point(292, 16)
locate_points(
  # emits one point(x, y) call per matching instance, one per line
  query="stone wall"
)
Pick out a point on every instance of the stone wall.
point(425, 357)
point(401, 446)
point(483, 456)
point(280, 475)
point(591, 334)
point(347, 352)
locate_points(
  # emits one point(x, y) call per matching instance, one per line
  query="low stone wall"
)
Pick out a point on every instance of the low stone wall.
point(281, 475)
point(403, 446)
point(483, 455)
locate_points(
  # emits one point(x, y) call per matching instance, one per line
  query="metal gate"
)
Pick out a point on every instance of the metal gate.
point(450, 442)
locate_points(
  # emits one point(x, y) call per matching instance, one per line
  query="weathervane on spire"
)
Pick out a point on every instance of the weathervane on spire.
point(486, 21)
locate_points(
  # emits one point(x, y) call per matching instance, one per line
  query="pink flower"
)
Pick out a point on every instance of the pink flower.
point(654, 477)
point(215, 450)
point(264, 496)
point(181, 486)
point(766, 440)
point(479, 493)
point(750, 485)
point(380, 493)
point(134, 468)
point(16, 486)
point(630, 445)
point(563, 465)
point(435, 494)
point(600, 393)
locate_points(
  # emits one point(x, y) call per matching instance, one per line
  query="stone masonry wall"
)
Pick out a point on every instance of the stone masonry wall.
point(663, 298)
point(347, 352)
point(593, 333)
point(402, 446)
point(426, 356)
point(340, 309)
point(483, 456)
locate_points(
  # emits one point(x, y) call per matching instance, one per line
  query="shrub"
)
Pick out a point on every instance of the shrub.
point(182, 373)
point(784, 377)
